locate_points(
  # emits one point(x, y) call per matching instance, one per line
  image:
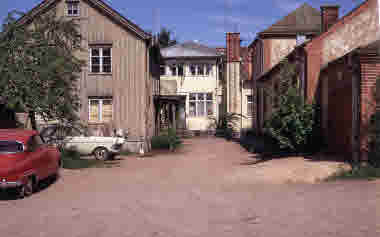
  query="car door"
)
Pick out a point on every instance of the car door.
point(51, 155)
point(38, 156)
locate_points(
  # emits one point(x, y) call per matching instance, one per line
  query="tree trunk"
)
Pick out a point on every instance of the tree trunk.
point(32, 116)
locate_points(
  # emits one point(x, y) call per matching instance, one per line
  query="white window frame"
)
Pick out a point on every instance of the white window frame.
point(250, 105)
point(205, 101)
point(101, 57)
point(100, 109)
point(70, 5)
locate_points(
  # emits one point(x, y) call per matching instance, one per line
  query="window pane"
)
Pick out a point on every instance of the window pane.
point(10, 146)
point(208, 69)
point(192, 70)
point(200, 69)
point(209, 108)
point(70, 12)
point(250, 98)
point(201, 96)
point(106, 68)
point(94, 111)
point(107, 110)
point(200, 108)
point(107, 52)
point(107, 61)
point(180, 69)
point(173, 70)
point(95, 68)
point(95, 60)
point(192, 96)
point(192, 109)
point(209, 96)
point(95, 52)
point(75, 12)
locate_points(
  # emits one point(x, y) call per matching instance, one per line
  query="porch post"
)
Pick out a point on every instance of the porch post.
point(174, 116)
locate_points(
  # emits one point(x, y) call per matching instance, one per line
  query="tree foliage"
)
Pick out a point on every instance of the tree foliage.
point(165, 38)
point(293, 122)
point(38, 67)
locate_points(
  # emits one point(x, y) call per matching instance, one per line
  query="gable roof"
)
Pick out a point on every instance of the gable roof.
point(98, 4)
point(305, 19)
point(189, 49)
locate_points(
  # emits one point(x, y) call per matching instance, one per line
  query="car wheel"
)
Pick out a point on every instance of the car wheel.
point(27, 188)
point(101, 153)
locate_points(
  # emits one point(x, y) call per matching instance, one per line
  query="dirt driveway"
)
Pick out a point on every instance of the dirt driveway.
point(192, 194)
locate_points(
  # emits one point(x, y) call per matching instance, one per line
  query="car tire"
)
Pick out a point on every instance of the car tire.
point(27, 189)
point(101, 153)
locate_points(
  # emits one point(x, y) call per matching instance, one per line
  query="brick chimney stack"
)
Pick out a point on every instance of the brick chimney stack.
point(330, 15)
point(233, 47)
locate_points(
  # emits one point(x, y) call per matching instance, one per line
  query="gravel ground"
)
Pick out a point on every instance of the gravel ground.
point(205, 189)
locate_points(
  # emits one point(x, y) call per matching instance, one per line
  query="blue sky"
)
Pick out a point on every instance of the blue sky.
point(202, 20)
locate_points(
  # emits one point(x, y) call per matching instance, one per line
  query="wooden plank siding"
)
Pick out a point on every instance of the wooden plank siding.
point(128, 84)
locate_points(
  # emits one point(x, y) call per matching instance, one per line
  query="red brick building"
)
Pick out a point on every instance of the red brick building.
point(337, 69)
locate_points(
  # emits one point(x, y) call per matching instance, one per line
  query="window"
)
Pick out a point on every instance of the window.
point(176, 70)
point(180, 69)
point(73, 7)
point(173, 70)
point(100, 60)
point(162, 70)
point(200, 104)
point(11, 147)
point(100, 110)
point(208, 69)
point(249, 105)
point(201, 69)
point(193, 69)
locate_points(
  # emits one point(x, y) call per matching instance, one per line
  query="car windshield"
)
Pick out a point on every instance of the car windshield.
point(10, 147)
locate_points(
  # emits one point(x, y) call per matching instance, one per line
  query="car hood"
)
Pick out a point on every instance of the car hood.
point(8, 162)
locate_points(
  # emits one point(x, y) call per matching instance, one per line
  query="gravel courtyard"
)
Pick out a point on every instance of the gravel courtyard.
point(206, 189)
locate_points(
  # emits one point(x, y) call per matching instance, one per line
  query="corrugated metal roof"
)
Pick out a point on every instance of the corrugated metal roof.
point(189, 49)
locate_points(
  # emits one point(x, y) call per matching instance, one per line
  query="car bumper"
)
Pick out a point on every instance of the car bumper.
point(6, 185)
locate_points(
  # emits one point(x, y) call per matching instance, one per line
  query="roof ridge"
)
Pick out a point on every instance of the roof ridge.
point(108, 10)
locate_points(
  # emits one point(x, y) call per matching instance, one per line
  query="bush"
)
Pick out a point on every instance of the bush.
point(374, 142)
point(169, 140)
point(293, 125)
point(71, 160)
point(225, 124)
point(361, 172)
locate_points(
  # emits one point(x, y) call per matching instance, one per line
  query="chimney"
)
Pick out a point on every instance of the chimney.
point(233, 47)
point(330, 15)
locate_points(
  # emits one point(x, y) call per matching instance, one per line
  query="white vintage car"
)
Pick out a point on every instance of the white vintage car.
point(101, 147)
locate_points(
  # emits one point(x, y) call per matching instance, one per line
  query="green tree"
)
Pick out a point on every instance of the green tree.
point(38, 67)
point(165, 38)
point(293, 123)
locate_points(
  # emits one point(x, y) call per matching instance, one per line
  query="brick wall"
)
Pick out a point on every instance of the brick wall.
point(370, 70)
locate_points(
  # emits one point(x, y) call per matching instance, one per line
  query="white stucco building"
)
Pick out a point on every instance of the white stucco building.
point(191, 71)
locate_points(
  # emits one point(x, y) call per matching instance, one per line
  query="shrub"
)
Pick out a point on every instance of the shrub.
point(71, 160)
point(360, 172)
point(225, 124)
point(374, 142)
point(292, 125)
point(169, 140)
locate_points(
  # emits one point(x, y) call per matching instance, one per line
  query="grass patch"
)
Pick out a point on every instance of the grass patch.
point(72, 160)
point(361, 173)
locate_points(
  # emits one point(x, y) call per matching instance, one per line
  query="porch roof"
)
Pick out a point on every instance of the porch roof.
point(171, 99)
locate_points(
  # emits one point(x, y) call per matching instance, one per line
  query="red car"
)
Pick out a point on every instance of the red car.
point(25, 160)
